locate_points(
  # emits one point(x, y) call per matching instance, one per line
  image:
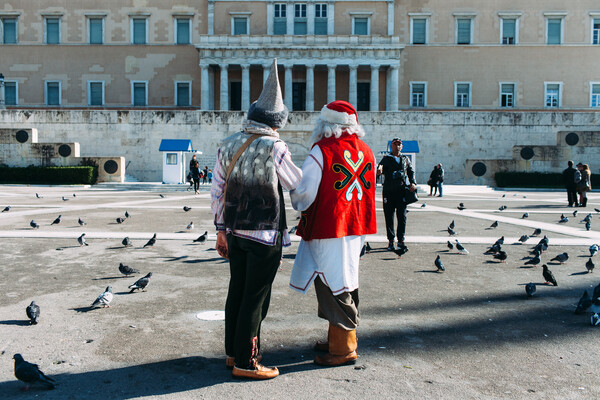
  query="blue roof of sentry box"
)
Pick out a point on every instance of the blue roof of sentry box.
point(408, 146)
point(175, 145)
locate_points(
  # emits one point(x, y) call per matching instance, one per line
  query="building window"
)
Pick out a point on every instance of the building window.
point(300, 25)
point(52, 30)
point(360, 26)
point(139, 93)
point(11, 93)
point(554, 31)
point(183, 94)
point(53, 93)
point(507, 94)
point(139, 31)
point(464, 30)
point(171, 158)
point(280, 19)
point(596, 31)
point(509, 31)
point(9, 30)
point(594, 90)
point(240, 25)
point(183, 28)
point(418, 94)
point(96, 93)
point(96, 30)
point(462, 94)
point(418, 30)
point(321, 19)
point(552, 94)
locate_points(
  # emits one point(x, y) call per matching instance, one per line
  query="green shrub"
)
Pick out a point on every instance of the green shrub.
point(85, 175)
point(535, 180)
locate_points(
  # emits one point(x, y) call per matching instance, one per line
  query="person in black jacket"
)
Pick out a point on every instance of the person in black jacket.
point(570, 184)
point(399, 177)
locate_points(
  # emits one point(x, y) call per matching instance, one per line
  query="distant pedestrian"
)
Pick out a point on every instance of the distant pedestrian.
point(440, 179)
point(205, 174)
point(570, 183)
point(195, 176)
point(432, 181)
point(210, 176)
point(585, 184)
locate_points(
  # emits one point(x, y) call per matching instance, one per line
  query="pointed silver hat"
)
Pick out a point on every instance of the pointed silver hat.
point(269, 108)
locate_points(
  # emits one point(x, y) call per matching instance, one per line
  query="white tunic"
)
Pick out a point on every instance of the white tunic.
point(334, 260)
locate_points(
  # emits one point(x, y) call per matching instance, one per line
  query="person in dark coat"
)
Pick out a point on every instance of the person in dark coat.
point(439, 178)
point(570, 184)
point(432, 182)
point(195, 171)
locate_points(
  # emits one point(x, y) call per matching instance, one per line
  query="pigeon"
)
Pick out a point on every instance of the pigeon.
point(588, 226)
point(504, 195)
point(587, 218)
point(460, 248)
point(401, 251)
point(141, 283)
point(151, 241)
point(496, 248)
point(501, 256)
point(451, 231)
point(544, 240)
point(594, 250)
point(451, 226)
point(39, 196)
point(523, 238)
point(74, 195)
point(120, 220)
point(590, 265)
point(584, 303)
point(7, 208)
point(534, 261)
point(548, 276)
point(502, 208)
point(535, 252)
point(162, 195)
point(461, 206)
point(81, 222)
point(104, 298)
point(563, 219)
point(186, 208)
point(190, 226)
point(575, 213)
point(450, 245)
point(561, 258)
point(293, 230)
point(34, 224)
point(439, 265)
point(423, 205)
point(127, 215)
point(202, 238)
point(81, 240)
point(597, 210)
point(127, 270)
point(524, 216)
point(33, 313)
point(494, 224)
point(530, 289)
point(500, 241)
point(57, 220)
point(30, 373)
point(64, 199)
point(126, 242)
point(536, 232)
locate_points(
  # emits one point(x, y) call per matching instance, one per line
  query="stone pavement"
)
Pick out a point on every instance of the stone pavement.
point(467, 333)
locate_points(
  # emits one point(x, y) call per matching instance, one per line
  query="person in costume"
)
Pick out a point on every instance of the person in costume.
point(248, 205)
point(337, 200)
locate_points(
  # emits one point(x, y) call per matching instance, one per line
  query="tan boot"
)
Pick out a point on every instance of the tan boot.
point(342, 348)
point(256, 372)
point(323, 345)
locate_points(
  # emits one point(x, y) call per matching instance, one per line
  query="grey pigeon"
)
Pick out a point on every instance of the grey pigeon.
point(587, 218)
point(64, 199)
point(536, 232)
point(7, 208)
point(450, 245)
point(536, 252)
point(502, 208)
point(545, 240)
point(126, 242)
point(584, 303)
point(38, 196)
point(57, 220)
point(33, 313)
point(534, 261)
point(561, 258)
point(548, 276)
point(81, 222)
point(451, 226)
point(141, 283)
point(530, 289)
point(151, 241)
point(588, 226)
point(597, 210)
point(594, 250)
point(127, 215)
point(523, 238)
point(461, 248)
point(526, 215)
point(190, 226)
point(186, 208)
point(495, 248)
point(500, 241)
point(589, 265)
point(563, 219)
point(127, 270)
point(575, 213)
point(74, 195)
point(423, 205)
point(461, 206)
point(120, 220)
point(494, 224)
point(439, 265)
point(504, 195)
point(30, 373)
point(451, 231)
point(34, 224)
point(104, 298)
point(162, 195)
point(202, 238)
point(501, 256)
point(81, 240)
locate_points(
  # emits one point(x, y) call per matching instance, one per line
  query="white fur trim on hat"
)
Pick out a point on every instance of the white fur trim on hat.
point(337, 117)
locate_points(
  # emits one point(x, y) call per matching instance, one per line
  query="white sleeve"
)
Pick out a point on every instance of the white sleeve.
point(312, 172)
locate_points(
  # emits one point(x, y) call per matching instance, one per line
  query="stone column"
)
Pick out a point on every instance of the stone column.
point(374, 106)
point(205, 88)
point(390, 18)
point(288, 86)
point(310, 88)
point(211, 17)
point(352, 85)
point(330, 83)
point(290, 18)
point(393, 86)
point(224, 88)
point(245, 86)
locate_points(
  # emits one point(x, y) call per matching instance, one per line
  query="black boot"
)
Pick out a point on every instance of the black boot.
point(584, 202)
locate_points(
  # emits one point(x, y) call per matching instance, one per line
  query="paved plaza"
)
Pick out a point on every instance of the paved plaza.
point(467, 333)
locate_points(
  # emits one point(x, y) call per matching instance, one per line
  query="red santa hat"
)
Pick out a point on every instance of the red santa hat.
point(339, 112)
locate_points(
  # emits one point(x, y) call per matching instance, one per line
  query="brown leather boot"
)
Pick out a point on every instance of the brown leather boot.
point(256, 372)
point(323, 345)
point(342, 348)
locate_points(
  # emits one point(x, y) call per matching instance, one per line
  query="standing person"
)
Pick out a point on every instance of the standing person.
point(253, 167)
point(570, 182)
point(337, 200)
point(397, 169)
point(585, 184)
point(195, 171)
point(205, 174)
point(210, 175)
point(432, 181)
point(440, 179)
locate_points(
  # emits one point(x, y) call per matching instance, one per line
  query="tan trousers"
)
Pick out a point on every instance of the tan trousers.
point(340, 310)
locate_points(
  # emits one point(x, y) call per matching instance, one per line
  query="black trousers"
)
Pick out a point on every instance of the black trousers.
point(196, 184)
point(253, 267)
point(394, 203)
point(572, 194)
